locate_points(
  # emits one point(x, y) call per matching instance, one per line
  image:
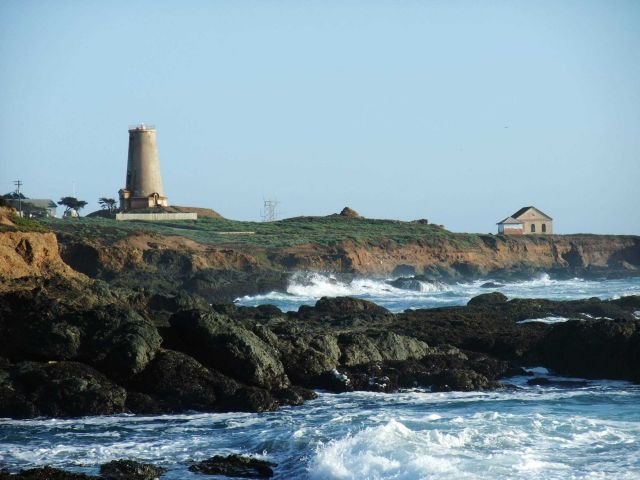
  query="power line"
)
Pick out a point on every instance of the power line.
point(18, 184)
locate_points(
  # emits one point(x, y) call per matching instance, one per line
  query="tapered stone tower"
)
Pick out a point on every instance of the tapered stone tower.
point(144, 183)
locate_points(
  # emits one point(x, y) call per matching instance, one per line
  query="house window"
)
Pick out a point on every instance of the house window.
point(544, 228)
point(533, 228)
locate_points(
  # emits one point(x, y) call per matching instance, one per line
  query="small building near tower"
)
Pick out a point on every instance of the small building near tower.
point(526, 221)
point(31, 207)
point(144, 184)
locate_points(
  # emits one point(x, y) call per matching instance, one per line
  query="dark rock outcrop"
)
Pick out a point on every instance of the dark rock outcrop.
point(73, 349)
point(175, 382)
point(116, 341)
point(359, 348)
point(57, 389)
point(219, 343)
point(594, 349)
point(114, 338)
point(308, 357)
point(488, 299)
point(45, 473)
point(462, 381)
point(130, 470)
point(349, 213)
point(235, 466)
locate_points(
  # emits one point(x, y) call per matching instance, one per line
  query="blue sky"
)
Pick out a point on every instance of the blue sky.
point(459, 112)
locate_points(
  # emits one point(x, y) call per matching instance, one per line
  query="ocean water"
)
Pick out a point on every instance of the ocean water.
point(578, 429)
point(307, 288)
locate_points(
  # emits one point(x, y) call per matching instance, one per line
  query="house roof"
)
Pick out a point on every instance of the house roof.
point(36, 202)
point(510, 221)
point(525, 209)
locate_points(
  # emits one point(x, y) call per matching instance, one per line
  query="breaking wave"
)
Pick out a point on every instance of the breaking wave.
point(306, 288)
point(589, 430)
point(498, 443)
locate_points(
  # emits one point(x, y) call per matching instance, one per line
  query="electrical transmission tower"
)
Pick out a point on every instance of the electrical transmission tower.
point(270, 210)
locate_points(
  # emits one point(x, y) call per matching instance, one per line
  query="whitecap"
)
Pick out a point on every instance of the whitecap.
point(549, 320)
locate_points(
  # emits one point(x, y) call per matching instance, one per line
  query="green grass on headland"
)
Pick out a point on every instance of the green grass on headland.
point(21, 224)
point(324, 231)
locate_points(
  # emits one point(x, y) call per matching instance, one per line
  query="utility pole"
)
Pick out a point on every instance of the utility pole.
point(18, 184)
point(269, 210)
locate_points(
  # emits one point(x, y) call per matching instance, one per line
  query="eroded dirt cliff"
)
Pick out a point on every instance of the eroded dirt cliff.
point(31, 254)
point(560, 254)
point(213, 265)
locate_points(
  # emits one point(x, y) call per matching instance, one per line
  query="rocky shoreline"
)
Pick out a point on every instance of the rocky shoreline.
point(89, 341)
point(71, 348)
point(229, 466)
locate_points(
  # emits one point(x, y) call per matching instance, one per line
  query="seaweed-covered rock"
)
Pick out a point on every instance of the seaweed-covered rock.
point(45, 473)
point(294, 396)
point(130, 470)
point(178, 382)
point(488, 299)
point(235, 466)
point(57, 389)
point(406, 283)
point(117, 341)
point(461, 380)
point(114, 338)
point(30, 328)
point(250, 399)
point(307, 357)
point(222, 345)
point(594, 349)
point(341, 306)
point(359, 348)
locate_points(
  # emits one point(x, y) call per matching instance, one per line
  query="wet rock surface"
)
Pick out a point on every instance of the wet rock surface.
point(130, 470)
point(219, 343)
point(488, 299)
point(71, 349)
point(45, 473)
point(57, 389)
point(235, 466)
point(114, 470)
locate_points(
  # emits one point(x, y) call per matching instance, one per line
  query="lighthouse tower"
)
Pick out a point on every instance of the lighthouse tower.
point(144, 183)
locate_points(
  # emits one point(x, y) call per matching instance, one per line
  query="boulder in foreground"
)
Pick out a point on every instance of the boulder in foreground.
point(235, 466)
point(130, 470)
point(45, 473)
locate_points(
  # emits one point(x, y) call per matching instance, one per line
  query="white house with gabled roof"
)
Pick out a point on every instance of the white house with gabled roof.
point(526, 221)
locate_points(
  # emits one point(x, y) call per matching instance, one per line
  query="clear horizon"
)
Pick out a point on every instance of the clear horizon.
point(457, 112)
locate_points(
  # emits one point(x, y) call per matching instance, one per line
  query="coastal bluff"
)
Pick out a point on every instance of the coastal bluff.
point(142, 320)
point(99, 319)
point(221, 259)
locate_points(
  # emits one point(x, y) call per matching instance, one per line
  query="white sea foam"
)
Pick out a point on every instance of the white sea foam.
point(316, 285)
point(387, 451)
point(306, 288)
point(533, 432)
point(507, 444)
point(538, 370)
point(545, 320)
